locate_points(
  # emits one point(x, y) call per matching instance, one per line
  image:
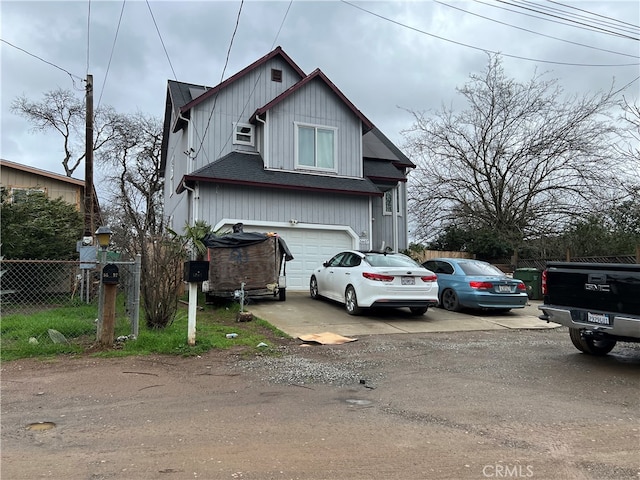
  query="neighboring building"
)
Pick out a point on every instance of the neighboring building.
point(282, 151)
point(18, 181)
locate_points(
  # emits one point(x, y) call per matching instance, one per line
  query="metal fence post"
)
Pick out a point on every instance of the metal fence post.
point(135, 310)
point(103, 261)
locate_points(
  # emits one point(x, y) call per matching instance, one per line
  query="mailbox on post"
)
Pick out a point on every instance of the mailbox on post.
point(110, 274)
point(196, 271)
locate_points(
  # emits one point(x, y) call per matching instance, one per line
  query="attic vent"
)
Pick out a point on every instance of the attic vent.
point(276, 75)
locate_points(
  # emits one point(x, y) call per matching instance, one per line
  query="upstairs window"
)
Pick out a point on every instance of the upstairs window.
point(316, 147)
point(243, 134)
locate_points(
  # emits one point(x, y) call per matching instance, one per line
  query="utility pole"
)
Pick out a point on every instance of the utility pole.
point(89, 228)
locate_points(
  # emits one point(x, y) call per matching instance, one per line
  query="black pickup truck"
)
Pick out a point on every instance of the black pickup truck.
point(599, 302)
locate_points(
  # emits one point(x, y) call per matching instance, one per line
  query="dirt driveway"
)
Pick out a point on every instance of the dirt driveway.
point(463, 405)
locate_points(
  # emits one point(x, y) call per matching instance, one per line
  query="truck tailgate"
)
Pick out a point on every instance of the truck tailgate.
point(594, 287)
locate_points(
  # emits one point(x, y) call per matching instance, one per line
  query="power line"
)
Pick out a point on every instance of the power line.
point(485, 49)
point(161, 41)
point(215, 98)
point(536, 33)
point(569, 16)
point(255, 84)
point(43, 60)
point(113, 47)
point(595, 14)
point(602, 30)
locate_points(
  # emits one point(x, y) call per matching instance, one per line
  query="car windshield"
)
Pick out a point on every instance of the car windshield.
point(390, 260)
point(480, 268)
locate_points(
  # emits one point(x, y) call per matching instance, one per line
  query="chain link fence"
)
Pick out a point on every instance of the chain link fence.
point(67, 295)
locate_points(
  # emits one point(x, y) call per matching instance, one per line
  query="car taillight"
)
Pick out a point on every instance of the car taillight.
point(378, 277)
point(544, 282)
point(522, 287)
point(429, 278)
point(481, 285)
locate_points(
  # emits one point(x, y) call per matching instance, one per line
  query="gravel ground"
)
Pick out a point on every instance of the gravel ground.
point(466, 405)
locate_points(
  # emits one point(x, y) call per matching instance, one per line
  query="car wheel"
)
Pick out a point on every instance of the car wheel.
point(590, 345)
point(418, 310)
point(351, 302)
point(450, 300)
point(313, 288)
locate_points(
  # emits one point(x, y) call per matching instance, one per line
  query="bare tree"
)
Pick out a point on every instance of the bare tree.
point(63, 111)
point(519, 161)
point(629, 148)
point(133, 179)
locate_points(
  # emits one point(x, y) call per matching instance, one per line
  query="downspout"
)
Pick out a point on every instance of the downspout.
point(370, 239)
point(195, 196)
point(265, 140)
point(395, 219)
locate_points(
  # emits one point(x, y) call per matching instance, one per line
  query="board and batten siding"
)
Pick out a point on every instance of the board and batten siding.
point(235, 104)
point(315, 104)
point(264, 205)
point(70, 191)
point(176, 205)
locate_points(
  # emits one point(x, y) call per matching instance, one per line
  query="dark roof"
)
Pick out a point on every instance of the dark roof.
point(383, 170)
point(376, 145)
point(316, 74)
point(248, 169)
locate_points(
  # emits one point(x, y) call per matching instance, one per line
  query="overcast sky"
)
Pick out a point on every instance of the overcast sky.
point(386, 57)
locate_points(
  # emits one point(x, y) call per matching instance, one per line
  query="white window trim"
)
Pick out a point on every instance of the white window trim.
point(26, 190)
point(398, 205)
point(171, 184)
point(335, 147)
point(251, 134)
point(386, 211)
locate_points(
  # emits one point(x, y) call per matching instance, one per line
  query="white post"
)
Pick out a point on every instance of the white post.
point(193, 304)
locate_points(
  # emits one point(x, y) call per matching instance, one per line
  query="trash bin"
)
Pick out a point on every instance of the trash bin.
point(532, 278)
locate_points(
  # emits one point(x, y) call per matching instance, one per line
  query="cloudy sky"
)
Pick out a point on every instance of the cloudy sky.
point(386, 57)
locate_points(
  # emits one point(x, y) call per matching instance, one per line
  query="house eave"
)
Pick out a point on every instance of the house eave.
point(188, 181)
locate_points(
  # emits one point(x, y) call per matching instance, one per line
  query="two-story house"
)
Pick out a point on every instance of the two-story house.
point(282, 151)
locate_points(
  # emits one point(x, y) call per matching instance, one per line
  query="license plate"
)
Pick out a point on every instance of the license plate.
point(599, 318)
point(408, 281)
point(504, 289)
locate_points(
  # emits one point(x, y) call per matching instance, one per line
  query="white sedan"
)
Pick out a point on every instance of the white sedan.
point(373, 279)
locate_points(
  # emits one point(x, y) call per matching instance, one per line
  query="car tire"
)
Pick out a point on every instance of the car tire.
point(313, 288)
point(417, 311)
point(591, 346)
point(351, 301)
point(449, 300)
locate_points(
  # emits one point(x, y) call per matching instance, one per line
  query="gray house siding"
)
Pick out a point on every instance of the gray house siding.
point(315, 104)
point(260, 204)
point(178, 165)
point(235, 103)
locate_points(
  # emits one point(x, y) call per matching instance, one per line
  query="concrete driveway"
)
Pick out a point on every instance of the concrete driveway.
point(301, 315)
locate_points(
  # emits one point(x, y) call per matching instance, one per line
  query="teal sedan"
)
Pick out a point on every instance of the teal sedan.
point(467, 283)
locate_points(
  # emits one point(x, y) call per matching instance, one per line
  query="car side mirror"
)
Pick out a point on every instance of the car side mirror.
point(325, 264)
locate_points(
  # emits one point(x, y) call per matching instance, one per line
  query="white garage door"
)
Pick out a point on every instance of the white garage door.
point(309, 249)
